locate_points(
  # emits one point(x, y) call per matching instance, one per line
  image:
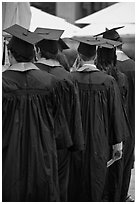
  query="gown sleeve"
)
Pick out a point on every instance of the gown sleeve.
point(71, 106)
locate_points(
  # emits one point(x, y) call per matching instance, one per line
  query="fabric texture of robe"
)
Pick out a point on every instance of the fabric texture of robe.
point(30, 109)
point(116, 171)
point(102, 122)
point(70, 100)
point(127, 66)
point(70, 103)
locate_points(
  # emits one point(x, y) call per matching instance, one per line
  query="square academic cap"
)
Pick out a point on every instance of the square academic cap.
point(23, 34)
point(107, 43)
point(87, 40)
point(98, 41)
point(49, 34)
point(87, 46)
point(110, 33)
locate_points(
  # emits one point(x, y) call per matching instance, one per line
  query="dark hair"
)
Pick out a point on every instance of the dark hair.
point(106, 56)
point(86, 51)
point(48, 48)
point(20, 58)
point(21, 50)
point(48, 55)
point(106, 61)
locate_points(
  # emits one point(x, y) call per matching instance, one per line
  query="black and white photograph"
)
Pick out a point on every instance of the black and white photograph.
point(68, 101)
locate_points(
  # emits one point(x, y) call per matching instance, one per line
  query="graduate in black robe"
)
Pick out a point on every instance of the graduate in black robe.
point(31, 108)
point(102, 122)
point(48, 62)
point(106, 61)
point(126, 66)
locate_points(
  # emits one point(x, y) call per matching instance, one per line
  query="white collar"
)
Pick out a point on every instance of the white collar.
point(87, 68)
point(22, 67)
point(121, 56)
point(49, 62)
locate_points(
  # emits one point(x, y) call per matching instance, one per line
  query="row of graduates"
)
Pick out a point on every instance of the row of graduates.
point(60, 128)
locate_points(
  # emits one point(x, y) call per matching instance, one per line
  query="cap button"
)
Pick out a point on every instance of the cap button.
point(25, 33)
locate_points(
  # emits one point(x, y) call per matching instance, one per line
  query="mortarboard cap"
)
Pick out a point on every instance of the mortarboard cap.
point(50, 46)
point(87, 46)
point(111, 34)
point(86, 49)
point(88, 40)
point(98, 41)
point(49, 34)
point(107, 43)
point(23, 34)
point(22, 41)
point(50, 39)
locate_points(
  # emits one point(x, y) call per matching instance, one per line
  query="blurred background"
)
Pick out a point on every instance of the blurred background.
point(71, 11)
point(76, 18)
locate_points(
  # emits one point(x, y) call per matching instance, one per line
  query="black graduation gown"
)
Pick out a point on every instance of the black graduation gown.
point(128, 68)
point(70, 102)
point(113, 187)
point(122, 82)
point(30, 107)
point(102, 119)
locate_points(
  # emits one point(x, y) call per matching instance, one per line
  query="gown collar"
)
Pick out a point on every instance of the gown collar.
point(22, 67)
point(88, 68)
point(49, 62)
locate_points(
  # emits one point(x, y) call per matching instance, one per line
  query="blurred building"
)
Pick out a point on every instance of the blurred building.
point(71, 11)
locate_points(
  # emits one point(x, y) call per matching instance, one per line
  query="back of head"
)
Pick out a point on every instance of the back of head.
point(112, 35)
point(21, 50)
point(48, 48)
point(106, 57)
point(88, 51)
